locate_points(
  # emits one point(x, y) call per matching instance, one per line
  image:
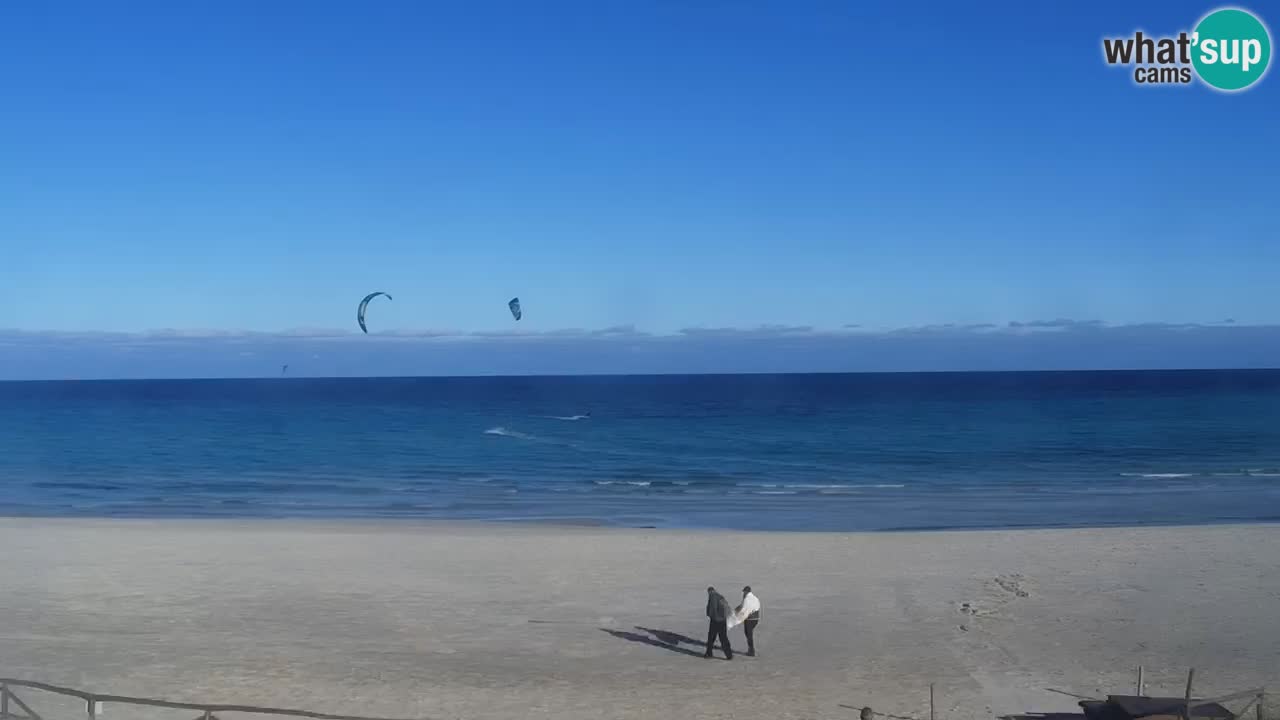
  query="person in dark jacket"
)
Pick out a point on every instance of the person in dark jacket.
point(718, 614)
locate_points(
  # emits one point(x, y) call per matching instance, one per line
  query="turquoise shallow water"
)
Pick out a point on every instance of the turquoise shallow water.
point(821, 452)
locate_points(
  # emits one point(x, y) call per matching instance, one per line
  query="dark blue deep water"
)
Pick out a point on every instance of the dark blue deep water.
point(822, 452)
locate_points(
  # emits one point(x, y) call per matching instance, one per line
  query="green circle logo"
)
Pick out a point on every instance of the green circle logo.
point(1232, 49)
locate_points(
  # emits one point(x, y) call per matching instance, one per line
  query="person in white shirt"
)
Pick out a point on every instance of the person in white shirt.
point(748, 615)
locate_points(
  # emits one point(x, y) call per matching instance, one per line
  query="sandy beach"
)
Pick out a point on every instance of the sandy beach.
point(485, 621)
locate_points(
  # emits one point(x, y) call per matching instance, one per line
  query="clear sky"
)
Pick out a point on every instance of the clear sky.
point(259, 166)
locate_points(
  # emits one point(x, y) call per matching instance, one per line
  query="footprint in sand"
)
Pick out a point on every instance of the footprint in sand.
point(1012, 584)
point(975, 611)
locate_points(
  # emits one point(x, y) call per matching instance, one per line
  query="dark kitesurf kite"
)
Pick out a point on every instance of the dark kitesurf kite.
point(365, 304)
point(514, 307)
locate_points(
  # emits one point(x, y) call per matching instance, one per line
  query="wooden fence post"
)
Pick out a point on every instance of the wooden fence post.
point(1186, 705)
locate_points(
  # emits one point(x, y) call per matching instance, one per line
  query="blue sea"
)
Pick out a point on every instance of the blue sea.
point(785, 452)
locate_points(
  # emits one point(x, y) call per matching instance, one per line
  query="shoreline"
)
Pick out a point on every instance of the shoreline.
point(429, 523)
point(461, 619)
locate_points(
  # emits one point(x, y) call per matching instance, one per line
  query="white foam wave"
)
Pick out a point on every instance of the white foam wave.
point(1158, 476)
point(842, 486)
point(567, 418)
point(504, 432)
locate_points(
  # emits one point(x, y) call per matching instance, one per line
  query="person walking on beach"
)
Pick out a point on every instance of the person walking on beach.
point(718, 614)
point(750, 611)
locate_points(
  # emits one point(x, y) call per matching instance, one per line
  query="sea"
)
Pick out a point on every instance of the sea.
point(831, 452)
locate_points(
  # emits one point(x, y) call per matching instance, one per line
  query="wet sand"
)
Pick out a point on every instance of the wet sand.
point(483, 621)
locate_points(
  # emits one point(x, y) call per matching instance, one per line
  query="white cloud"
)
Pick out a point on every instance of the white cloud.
point(1033, 344)
point(1015, 327)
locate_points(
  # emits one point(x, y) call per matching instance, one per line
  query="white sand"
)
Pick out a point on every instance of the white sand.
point(477, 621)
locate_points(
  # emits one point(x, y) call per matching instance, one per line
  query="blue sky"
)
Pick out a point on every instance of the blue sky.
point(255, 168)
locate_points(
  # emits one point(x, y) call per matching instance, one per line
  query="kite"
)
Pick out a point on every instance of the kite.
point(364, 304)
point(514, 307)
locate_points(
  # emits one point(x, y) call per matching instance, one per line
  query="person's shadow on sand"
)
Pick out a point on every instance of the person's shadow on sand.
point(661, 638)
point(671, 638)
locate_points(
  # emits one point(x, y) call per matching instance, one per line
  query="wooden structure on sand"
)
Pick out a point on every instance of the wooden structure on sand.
point(1144, 707)
point(1130, 707)
point(13, 707)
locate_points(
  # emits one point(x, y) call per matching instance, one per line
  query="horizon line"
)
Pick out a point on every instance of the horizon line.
point(1038, 371)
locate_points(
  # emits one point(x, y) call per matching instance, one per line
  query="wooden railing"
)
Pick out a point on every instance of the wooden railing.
point(94, 701)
